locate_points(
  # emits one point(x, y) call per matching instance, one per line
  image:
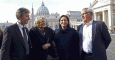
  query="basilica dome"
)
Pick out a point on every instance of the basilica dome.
point(43, 10)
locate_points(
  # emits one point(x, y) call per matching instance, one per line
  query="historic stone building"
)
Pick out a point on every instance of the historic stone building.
point(75, 18)
point(104, 10)
point(51, 19)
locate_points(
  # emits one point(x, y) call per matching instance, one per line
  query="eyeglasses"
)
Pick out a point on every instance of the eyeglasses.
point(85, 13)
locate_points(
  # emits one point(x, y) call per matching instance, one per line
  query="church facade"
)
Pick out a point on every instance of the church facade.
point(51, 19)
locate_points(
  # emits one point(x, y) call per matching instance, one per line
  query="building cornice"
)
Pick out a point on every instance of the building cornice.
point(102, 6)
point(93, 3)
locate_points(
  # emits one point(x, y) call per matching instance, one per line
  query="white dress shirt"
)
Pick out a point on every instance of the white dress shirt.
point(20, 27)
point(87, 37)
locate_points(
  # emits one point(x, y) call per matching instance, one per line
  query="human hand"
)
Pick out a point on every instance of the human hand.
point(46, 46)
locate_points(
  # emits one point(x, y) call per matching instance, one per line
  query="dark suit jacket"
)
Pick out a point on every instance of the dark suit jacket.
point(13, 47)
point(38, 40)
point(100, 39)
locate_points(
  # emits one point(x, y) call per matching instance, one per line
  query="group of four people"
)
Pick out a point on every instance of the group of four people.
point(89, 42)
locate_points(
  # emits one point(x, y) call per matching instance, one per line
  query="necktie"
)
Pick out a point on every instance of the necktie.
point(25, 40)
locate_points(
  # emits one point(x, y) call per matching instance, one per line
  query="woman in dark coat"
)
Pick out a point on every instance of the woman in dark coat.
point(41, 39)
point(66, 40)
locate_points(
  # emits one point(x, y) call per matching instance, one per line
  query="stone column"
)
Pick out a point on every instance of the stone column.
point(103, 12)
point(110, 20)
point(53, 25)
point(76, 27)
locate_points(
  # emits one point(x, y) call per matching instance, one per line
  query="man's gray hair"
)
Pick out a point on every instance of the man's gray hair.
point(21, 12)
point(88, 10)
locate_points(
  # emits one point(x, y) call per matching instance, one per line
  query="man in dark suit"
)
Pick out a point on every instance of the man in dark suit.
point(16, 43)
point(94, 37)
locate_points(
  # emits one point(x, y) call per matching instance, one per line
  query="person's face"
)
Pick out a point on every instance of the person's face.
point(42, 23)
point(86, 16)
point(24, 19)
point(64, 22)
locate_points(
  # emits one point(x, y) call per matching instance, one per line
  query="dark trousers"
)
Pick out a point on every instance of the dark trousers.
point(86, 56)
point(28, 57)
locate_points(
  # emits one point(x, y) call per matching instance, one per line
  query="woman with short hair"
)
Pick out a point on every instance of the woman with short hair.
point(41, 39)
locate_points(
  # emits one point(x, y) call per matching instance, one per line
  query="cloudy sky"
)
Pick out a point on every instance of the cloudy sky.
point(8, 8)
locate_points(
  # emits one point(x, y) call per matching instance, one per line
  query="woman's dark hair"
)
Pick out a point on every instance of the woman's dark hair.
point(67, 20)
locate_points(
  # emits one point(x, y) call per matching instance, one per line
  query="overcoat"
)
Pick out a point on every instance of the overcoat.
point(67, 43)
point(38, 40)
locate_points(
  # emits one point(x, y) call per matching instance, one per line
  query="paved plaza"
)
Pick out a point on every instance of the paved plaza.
point(111, 49)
